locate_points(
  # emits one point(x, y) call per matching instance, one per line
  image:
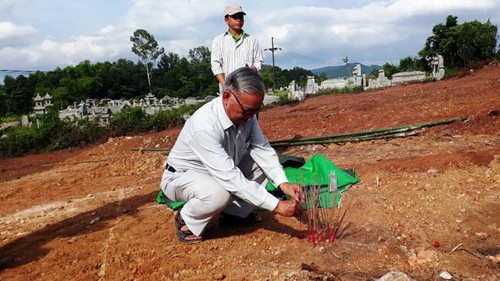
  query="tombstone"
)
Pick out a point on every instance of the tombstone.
point(311, 86)
point(336, 83)
point(25, 121)
point(408, 77)
point(47, 100)
point(357, 75)
point(39, 107)
point(437, 64)
point(292, 87)
point(294, 92)
point(382, 81)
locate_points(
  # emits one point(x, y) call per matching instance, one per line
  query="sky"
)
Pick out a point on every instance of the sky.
point(46, 34)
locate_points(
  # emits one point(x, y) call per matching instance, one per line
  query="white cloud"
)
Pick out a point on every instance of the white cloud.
point(10, 30)
point(311, 33)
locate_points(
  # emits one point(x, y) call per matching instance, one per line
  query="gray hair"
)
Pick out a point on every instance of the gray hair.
point(245, 80)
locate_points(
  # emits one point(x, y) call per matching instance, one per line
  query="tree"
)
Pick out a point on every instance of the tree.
point(168, 61)
point(412, 64)
point(19, 95)
point(477, 41)
point(146, 47)
point(202, 76)
point(461, 44)
point(390, 69)
point(3, 102)
point(298, 74)
point(199, 55)
point(320, 78)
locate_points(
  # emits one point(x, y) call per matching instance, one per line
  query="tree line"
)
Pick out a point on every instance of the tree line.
point(463, 45)
point(158, 72)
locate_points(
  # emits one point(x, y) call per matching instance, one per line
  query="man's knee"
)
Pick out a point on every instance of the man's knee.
point(218, 200)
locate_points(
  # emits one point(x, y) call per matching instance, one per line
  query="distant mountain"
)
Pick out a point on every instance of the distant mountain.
point(346, 70)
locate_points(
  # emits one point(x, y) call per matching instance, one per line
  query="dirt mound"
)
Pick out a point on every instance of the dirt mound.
point(426, 204)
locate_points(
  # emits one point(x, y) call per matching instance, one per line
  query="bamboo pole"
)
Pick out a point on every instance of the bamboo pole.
point(354, 139)
point(148, 149)
point(75, 163)
point(376, 132)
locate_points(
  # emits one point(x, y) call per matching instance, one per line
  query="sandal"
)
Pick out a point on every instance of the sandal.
point(185, 236)
point(232, 220)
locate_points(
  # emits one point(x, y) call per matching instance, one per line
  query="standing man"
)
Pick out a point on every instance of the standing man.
point(221, 163)
point(234, 48)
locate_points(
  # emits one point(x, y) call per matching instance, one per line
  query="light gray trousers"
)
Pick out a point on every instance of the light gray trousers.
point(206, 198)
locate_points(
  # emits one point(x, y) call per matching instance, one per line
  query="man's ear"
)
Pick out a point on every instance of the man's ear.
point(226, 94)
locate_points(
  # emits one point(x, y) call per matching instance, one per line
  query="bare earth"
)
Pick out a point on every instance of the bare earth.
point(426, 204)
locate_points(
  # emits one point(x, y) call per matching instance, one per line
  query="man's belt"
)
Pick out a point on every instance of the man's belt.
point(169, 168)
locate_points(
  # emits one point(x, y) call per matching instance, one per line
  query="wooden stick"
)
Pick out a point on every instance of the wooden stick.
point(74, 163)
point(148, 149)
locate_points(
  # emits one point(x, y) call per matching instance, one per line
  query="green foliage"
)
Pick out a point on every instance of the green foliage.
point(451, 71)
point(132, 119)
point(52, 134)
point(18, 94)
point(405, 64)
point(135, 120)
point(345, 90)
point(320, 78)
point(461, 44)
point(273, 78)
point(390, 69)
point(146, 47)
point(411, 64)
point(283, 99)
point(3, 102)
point(298, 74)
point(9, 119)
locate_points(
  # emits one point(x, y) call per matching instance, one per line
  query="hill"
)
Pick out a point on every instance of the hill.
point(346, 70)
point(427, 203)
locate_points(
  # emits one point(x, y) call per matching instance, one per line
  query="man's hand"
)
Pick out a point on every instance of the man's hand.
point(288, 208)
point(293, 190)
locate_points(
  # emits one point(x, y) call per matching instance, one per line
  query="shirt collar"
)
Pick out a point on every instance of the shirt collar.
point(221, 113)
point(236, 39)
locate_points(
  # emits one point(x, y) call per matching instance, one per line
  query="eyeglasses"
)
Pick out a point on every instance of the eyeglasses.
point(245, 112)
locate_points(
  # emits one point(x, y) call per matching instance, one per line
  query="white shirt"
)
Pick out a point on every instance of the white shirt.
point(209, 142)
point(228, 56)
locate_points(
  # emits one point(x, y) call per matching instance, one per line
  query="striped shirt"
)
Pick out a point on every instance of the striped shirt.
point(228, 56)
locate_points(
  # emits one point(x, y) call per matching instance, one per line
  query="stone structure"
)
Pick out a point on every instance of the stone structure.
point(42, 103)
point(357, 75)
point(269, 99)
point(380, 82)
point(103, 109)
point(311, 86)
point(407, 77)
point(295, 93)
point(337, 83)
point(437, 64)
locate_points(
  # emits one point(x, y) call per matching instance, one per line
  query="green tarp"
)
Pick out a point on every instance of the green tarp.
point(315, 172)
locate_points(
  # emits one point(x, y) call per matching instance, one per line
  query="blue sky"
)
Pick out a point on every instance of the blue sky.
point(45, 34)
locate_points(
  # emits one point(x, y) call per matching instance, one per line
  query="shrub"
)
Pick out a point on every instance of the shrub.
point(53, 134)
